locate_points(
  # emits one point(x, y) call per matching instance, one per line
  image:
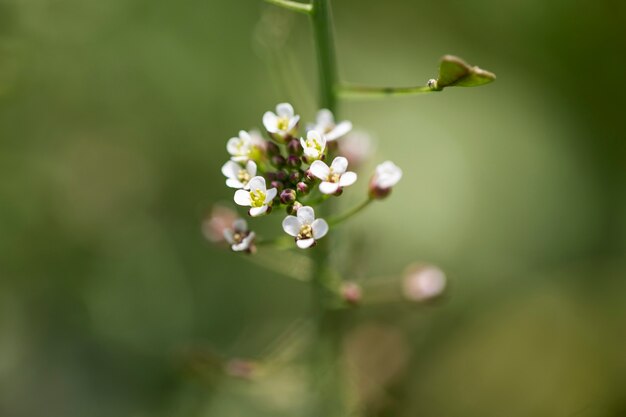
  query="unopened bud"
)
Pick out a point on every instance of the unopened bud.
point(308, 176)
point(351, 292)
point(293, 209)
point(432, 83)
point(294, 177)
point(270, 176)
point(278, 161)
point(302, 188)
point(288, 196)
point(279, 185)
point(423, 282)
point(281, 176)
point(272, 149)
point(338, 192)
point(293, 161)
point(294, 147)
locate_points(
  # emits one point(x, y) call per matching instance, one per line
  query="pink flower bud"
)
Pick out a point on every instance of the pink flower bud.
point(214, 225)
point(423, 282)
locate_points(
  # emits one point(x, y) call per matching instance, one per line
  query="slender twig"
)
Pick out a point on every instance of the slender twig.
point(293, 6)
point(334, 221)
point(359, 92)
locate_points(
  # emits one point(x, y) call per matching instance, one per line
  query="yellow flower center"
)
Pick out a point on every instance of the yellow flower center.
point(333, 177)
point(282, 123)
point(257, 198)
point(243, 176)
point(238, 237)
point(312, 143)
point(306, 232)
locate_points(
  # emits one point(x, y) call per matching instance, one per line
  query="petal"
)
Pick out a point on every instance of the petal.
point(340, 130)
point(320, 170)
point(244, 244)
point(314, 135)
point(231, 169)
point(291, 225)
point(245, 137)
point(251, 168)
point(347, 179)
point(311, 153)
point(325, 118)
point(293, 122)
point(233, 183)
point(306, 215)
point(240, 225)
point(232, 146)
point(320, 228)
point(229, 235)
point(303, 143)
point(257, 211)
point(257, 183)
point(329, 187)
point(242, 198)
point(339, 165)
point(305, 243)
point(284, 110)
point(242, 158)
point(270, 121)
point(270, 195)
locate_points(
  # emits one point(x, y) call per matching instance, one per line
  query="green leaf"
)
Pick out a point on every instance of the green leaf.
point(454, 72)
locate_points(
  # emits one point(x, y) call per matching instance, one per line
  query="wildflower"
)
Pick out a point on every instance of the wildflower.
point(356, 147)
point(238, 176)
point(239, 237)
point(305, 228)
point(258, 198)
point(282, 124)
point(333, 177)
point(386, 176)
point(314, 145)
point(423, 282)
point(220, 219)
point(240, 147)
point(325, 124)
point(351, 292)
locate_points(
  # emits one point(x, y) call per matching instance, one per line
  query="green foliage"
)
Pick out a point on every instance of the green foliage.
point(454, 72)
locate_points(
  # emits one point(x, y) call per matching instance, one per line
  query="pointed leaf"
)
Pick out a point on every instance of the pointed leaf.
point(453, 71)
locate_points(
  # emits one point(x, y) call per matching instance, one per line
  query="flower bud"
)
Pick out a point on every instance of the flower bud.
point(294, 177)
point(294, 147)
point(278, 161)
point(351, 292)
point(293, 161)
point(270, 176)
point(338, 192)
point(308, 176)
point(385, 177)
point(288, 196)
point(302, 188)
point(423, 282)
point(432, 83)
point(293, 209)
point(281, 176)
point(279, 185)
point(272, 149)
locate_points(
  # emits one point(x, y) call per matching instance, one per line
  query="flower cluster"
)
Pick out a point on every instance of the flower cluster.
point(291, 171)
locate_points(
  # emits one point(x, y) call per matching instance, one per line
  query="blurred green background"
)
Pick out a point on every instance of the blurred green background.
point(113, 121)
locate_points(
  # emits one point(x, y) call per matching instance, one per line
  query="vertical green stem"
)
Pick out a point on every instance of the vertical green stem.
point(325, 364)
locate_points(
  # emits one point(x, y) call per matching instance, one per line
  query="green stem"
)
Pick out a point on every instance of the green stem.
point(325, 44)
point(334, 221)
point(293, 6)
point(357, 91)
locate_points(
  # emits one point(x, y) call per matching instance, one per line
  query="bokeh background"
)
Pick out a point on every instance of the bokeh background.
point(113, 121)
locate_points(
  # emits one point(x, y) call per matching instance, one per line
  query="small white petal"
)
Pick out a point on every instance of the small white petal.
point(245, 137)
point(240, 225)
point(231, 169)
point(241, 158)
point(257, 211)
point(314, 135)
point(325, 118)
point(329, 187)
point(306, 215)
point(303, 143)
point(251, 168)
point(284, 110)
point(291, 225)
point(270, 121)
point(305, 243)
point(233, 183)
point(339, 165)
point(242, 198)
point(347, 179)
point(232, 146)
point(244, 244)
point(320, 228)
point(340, 130)
point(257, 183)
point(320, 170)
point(311, 153)
point(270, 195)
point(229, 235)
point(293, 122)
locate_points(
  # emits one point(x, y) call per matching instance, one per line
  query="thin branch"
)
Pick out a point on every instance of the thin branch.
point(358, 91)
point(340, 218)
point(293, 6)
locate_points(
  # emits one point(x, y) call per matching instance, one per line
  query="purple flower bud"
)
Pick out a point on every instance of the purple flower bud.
point(270, 176)
point(338, 192)
point(288, 196)
point(278, 185)
point(293, 209)
point(272, 149)
point(278, 161)
point(294, 147)
point(294, 177)
point(302, 188)
point(293, 161)
point(308, 176)
point(281, 176)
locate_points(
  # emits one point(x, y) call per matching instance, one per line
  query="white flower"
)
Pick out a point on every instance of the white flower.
point(333, 177)
point(356, 147)
point(305, 228)
point(240, 147)
point(386, 176)
point(314, 145)
point(325, 124)
point(282, 123)
point(239, 238)
point(238, 176)
point(258, 198)
point(423, 282)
